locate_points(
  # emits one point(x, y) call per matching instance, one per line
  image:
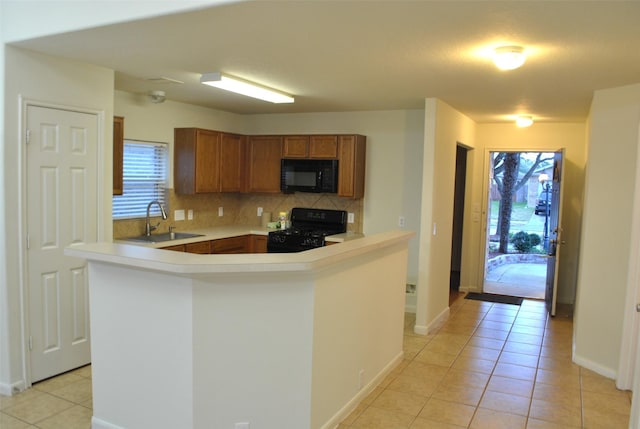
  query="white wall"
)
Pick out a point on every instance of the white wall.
point(144, 120)
point(27, 19)
point(606, 228)
point(444, 129)
point(69, 84)
point(5, 356)
point(394, 162)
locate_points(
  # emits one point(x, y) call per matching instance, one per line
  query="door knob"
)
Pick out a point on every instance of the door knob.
point(638, 308)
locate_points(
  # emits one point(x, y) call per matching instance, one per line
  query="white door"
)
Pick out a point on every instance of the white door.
point(61, 211)
point(555, 234)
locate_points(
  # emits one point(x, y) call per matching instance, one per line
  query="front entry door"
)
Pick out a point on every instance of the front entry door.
point(555, 235)
point(61, 211)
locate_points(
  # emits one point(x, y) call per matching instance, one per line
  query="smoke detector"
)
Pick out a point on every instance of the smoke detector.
point(157, 96)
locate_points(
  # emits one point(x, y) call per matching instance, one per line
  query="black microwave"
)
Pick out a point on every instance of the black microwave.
point(309, 175)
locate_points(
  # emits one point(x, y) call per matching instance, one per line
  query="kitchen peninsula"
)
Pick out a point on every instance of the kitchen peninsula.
point(292, 340)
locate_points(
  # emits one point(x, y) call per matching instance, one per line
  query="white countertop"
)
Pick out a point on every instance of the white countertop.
point(148, 256)
point(219, 232)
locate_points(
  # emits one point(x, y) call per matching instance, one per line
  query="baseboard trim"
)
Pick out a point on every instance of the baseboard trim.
point(344, 412)
point(97, 423)
point(597, 368)
point(12, 389)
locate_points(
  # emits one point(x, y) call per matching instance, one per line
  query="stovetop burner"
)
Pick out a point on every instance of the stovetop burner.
point(308, 229)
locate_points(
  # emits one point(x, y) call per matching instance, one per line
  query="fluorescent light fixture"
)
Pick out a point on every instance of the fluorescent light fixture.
point(243, 87)
point(524, 121)
point(508, 57)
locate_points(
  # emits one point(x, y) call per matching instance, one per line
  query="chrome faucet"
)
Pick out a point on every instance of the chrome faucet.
point(148, 226)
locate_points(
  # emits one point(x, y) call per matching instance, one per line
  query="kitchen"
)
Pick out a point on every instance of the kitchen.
point(403, 142)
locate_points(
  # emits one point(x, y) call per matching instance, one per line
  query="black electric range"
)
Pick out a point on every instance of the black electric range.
point(308, 230)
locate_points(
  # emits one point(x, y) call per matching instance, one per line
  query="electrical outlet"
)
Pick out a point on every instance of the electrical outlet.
point(189, 214)
point(259, 211)
point(350, 218)
point(401, 222)
point(178, 215)
point(220, 211)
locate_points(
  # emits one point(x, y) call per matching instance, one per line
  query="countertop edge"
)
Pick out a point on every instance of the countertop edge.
point(144, 257)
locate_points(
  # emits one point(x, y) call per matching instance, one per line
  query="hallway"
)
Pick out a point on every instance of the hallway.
point(492, 366)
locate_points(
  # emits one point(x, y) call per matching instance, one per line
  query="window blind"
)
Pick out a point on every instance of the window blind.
point(144, 179)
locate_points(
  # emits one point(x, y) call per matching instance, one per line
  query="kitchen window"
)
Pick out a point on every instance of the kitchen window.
point(144, 179)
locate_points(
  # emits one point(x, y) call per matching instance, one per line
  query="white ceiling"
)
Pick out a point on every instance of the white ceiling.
point(376, 55)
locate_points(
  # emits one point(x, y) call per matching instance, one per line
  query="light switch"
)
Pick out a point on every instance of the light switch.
point(190, 214)
point(220, 211)
point(178, 215)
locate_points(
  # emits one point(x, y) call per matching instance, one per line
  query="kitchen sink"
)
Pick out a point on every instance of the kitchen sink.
point(167, 236)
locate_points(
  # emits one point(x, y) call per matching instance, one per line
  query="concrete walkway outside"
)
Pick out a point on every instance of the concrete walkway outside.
point(523, 279)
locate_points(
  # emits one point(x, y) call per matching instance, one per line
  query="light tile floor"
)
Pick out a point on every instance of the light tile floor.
point(62, 402)
point(492, 366)
point(489, 366)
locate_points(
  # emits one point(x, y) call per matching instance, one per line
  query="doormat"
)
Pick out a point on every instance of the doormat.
point(489, 297)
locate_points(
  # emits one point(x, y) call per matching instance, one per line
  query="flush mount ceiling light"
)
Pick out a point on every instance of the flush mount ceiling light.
point(157, 96)
point(244, 87)
point(508, 57)
point(524, 121)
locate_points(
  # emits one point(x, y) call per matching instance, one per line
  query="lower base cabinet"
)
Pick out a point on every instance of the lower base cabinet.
point(233, 245)
point(201, 247)
point(258, 244)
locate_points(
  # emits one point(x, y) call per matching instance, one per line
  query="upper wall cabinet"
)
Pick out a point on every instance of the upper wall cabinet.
point(207, 161)
point(351, 165)
point(118, 151)
point(263, 163)
point(196, 155)
point(232, 162)
point(315, 146)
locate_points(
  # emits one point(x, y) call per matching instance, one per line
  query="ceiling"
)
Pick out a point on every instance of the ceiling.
point(375, 55)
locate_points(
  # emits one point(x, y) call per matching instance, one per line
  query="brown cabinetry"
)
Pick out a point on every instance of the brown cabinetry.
point(118, 154)
point(196, 155)
point(258, 243)
point(263, 164)
point(207, 161)
point(200, 247)
point(295, 147)
point(313, 147)
point(323, 147)
point(351, 165)
point(231, 162)
point(176, 248)
point(231, 245)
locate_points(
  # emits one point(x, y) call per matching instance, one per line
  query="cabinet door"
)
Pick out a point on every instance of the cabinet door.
point(263, 162)
point(231, 245)
point(231, 162)
point(118, 150)
point(323, 147)
point(176, 248)
point(196, 161)
point(201, 247)
point(351, 166)
point(296, 147)
point(258, 244)
point(207, 161)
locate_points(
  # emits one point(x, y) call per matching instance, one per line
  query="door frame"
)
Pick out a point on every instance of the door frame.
point(486, 180)
point(627, 364)
point(25, 103)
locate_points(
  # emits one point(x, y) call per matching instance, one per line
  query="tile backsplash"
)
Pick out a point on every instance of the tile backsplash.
point(239, 209)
